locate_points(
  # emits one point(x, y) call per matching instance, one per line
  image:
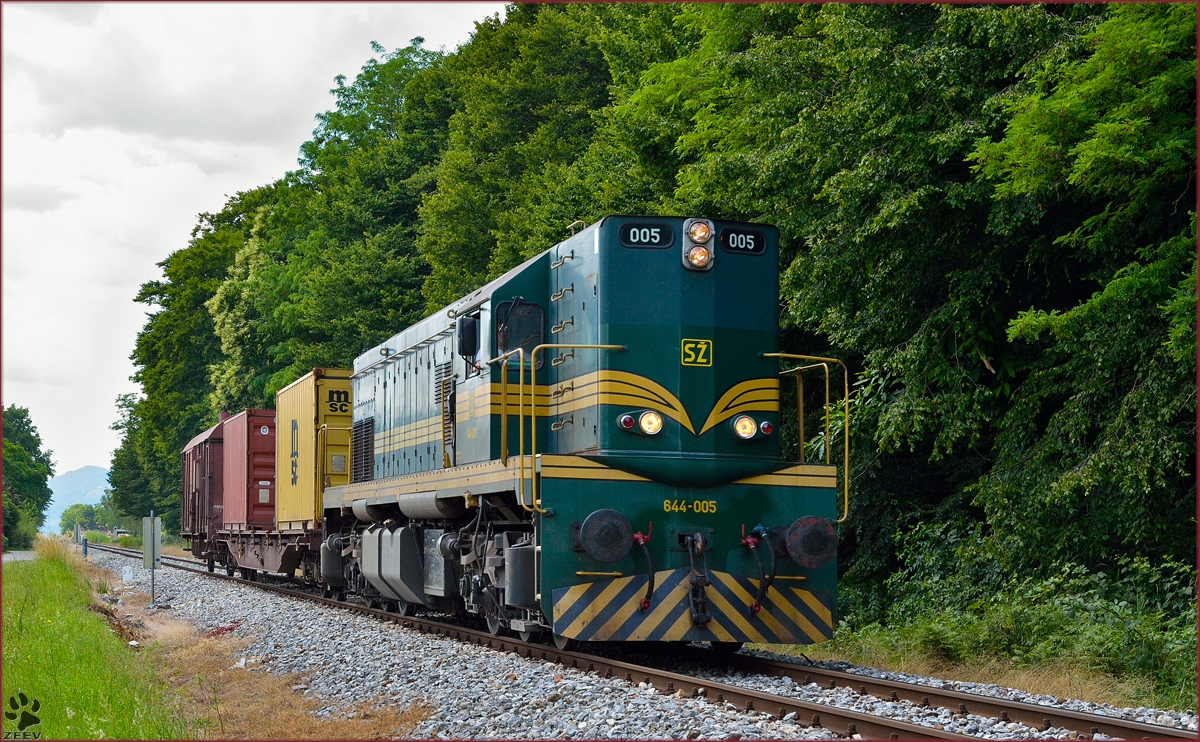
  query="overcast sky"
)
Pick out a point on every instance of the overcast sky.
point(123, 122)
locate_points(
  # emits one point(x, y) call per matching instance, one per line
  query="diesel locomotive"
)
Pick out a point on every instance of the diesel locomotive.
point(586, 447)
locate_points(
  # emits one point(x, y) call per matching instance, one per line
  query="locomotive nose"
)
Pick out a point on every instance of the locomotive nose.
point(811, 542)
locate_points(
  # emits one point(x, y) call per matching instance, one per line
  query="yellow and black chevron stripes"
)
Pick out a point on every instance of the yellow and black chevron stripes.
point(757, 395)
point(608, 610)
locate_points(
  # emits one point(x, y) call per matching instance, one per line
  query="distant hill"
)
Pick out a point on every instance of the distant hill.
point(84, 486)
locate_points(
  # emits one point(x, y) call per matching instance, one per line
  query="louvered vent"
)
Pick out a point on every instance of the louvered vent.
point(362, 451)
point(443, 387)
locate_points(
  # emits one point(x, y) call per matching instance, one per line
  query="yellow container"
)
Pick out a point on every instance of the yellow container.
point(313, 418)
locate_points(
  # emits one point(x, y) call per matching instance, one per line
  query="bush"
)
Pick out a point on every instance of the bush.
point(954, 602)
point(129, 542)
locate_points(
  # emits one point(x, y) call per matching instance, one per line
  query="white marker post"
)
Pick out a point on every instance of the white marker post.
point(152, 547)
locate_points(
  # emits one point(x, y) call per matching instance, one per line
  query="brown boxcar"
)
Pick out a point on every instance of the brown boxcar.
point(203, 489)
point(250, 471)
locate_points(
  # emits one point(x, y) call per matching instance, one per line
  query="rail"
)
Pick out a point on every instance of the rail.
point(842, 721)
point(819, 362)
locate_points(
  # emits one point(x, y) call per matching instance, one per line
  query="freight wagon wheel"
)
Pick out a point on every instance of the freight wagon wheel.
point(229, 570)
point(404, 608)
point(212, 564)
point(565, 644)
point(725, 647)
point(494, 627)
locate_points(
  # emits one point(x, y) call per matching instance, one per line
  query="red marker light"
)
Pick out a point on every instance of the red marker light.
point(765, 428)
point(625, 421)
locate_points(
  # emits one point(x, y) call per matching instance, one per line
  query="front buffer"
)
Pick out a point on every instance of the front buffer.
point(710, 551)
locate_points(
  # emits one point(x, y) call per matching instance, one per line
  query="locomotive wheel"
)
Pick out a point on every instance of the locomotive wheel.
point(725, 647)
point(565, 644)
point(494, 627)
point(529, 636)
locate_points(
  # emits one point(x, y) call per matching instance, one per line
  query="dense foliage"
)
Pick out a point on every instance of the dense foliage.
point(988, 211)
point(27, 473)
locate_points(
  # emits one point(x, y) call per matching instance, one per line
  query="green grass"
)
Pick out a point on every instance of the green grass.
point(95, 537)
point(90, 684)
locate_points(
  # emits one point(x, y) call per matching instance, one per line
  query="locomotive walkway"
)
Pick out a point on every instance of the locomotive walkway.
point(839, 720)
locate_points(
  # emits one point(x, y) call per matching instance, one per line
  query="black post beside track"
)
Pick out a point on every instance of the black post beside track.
point(840, 721)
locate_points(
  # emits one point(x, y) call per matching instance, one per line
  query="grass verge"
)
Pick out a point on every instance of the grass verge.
point(59, 652)
point(89, 683)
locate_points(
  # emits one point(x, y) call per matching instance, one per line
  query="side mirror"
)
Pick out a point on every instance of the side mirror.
point(468, 336)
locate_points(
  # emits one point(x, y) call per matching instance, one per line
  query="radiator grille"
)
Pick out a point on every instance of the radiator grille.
point(362, 451)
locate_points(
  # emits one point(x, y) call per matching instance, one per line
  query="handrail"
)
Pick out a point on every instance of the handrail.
point(821, 361)
point(800, 405)
point(322, 475)
point(503, 361)
point(533, 380)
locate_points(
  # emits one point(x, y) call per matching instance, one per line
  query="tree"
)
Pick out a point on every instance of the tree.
point(27, 472)
point(80, 515)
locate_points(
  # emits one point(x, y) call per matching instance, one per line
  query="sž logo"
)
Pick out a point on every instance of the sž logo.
point(24, 713)
point(696, 352)
point(339, 400)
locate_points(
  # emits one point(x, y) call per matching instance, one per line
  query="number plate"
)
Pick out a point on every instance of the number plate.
point(744, 241)
point(646, 235)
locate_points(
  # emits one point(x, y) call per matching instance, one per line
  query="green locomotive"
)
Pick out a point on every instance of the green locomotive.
point(588, 446)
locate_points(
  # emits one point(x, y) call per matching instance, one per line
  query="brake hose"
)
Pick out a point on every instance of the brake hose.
point(641, 540)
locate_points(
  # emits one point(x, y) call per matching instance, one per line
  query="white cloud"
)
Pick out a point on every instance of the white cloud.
point(120, 124)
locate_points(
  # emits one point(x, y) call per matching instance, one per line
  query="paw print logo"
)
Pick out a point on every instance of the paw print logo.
point(27, 713)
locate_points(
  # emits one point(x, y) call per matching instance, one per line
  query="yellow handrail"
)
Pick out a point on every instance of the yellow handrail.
point(533, 380)
point(819, 361)
point(503, 361)
point(800, 406)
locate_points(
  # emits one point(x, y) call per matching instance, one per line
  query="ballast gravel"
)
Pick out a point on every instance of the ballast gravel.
point(475, 692)
point(472, 692)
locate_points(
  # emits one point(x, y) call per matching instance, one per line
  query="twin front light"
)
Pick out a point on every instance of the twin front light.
point(649, 422)
point(698, 247)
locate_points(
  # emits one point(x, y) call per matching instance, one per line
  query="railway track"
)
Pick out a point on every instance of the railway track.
point(840, 721)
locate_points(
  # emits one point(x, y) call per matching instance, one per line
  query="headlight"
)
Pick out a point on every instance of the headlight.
point(699, 255)
point(650, 422)
point(699, 232)
point(745, 427)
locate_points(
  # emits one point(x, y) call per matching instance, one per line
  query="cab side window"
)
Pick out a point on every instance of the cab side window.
point(520, 324)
